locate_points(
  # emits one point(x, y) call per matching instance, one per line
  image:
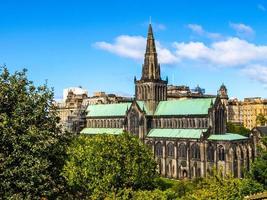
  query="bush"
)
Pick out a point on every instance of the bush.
point(106, 163)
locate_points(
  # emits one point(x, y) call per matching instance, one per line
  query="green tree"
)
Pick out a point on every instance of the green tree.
point(126, 194)
point(98, 165)
point(239, 129)
point(258, 169)
point(261, 119)
point(223, 187)
point(32, 147)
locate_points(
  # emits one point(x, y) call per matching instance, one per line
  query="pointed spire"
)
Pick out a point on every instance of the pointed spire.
point(150, 45)
point(151, 68)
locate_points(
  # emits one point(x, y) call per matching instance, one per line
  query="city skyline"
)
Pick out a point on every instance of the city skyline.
point(73, 45)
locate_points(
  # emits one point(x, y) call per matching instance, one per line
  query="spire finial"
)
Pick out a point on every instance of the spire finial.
point(150, 22)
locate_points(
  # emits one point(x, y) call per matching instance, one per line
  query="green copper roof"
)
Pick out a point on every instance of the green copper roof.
point(176, 133)
point(93, 131)
point(142, 105)
point(227, 137)
point(107, 110)
point(184, 107)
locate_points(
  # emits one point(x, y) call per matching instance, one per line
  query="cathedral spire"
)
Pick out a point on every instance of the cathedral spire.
point(151, 68)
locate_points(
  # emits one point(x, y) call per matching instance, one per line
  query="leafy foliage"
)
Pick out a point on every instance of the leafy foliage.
point(239, 129)
point(258, 169)
point(106, 163)
point(219, 187)
point(156, 194)
point(32, 146)
point(261, 119)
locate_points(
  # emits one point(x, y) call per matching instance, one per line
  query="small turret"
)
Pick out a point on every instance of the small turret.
point(222, 92)
point(223, 95)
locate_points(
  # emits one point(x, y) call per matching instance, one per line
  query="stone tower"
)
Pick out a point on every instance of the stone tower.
point(151, 88)
point(222, 93)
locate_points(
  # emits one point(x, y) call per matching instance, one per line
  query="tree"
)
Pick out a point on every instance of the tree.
point(98, 165)
point(261, 119)
point(32, 146)
point(258, 169)
point(223, 187)
point(239, 129)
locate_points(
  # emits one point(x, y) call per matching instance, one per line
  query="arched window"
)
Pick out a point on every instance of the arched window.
point(170, 149)
point(195, 151)
point(221, 153)
point(159, 149)
point(182, 151)
point(210, 153)
point(159, 123)
point(175, 123)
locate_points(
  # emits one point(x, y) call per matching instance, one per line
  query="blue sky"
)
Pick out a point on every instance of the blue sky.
point(99, 45)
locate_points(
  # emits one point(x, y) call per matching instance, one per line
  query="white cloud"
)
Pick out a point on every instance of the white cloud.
point(198, 29)
point(257, 72)
point(242, 30)
point(134, 47)
point(248, 57)
point(125, 46)
point(226, 53)
point(157, 26)
point(230, 52)
point(261, 7)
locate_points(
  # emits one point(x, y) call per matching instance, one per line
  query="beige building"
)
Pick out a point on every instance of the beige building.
point(245, 112)
point(103, 98)
point(72, 108)
point(252, 107)
point(235, 112)
point(184, 92)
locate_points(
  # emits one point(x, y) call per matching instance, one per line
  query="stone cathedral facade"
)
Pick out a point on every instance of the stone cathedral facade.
point(187, 136)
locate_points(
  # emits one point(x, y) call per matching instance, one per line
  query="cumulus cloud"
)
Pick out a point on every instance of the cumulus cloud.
point(134, 47)
point(225, 53)
point(125, 46)
point(229, 52)
point(248, 57)
point(199, 30)
point(261, 7)
point(242, 30)
point(257, 72)
point(158, 26)
point(196, 28)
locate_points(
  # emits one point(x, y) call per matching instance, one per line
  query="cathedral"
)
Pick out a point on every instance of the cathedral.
point(187, 136)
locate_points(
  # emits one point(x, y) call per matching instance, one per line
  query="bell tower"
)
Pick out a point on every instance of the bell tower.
point(151, 88)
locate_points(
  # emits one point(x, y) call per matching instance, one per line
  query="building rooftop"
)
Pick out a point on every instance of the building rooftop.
point(227, 137)
point(176, 133)
point(106, 110)
point(199, 106)
point(94, 131)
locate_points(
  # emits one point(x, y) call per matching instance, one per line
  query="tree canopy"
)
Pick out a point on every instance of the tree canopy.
point(258, 169)
point(107, 163)
point(239, 129)
point(32, 146)
point(261, 119)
